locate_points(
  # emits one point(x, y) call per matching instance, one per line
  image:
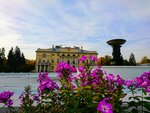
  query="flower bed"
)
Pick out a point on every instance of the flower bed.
point(91, 91)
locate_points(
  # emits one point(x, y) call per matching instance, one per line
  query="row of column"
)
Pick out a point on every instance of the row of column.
point(43, 68)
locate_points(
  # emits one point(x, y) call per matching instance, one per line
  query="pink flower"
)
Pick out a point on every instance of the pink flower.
point(83, 58)
point(104, 107)
point(72, 87)
point(138, 81)
point(64, 69)
point(129, 83)
point(36, 98)
point(147, 89)
point(94, 74)
point(119, 80)
point(5, 98)
point(110, 77)
point(145, 83)
point(93, 58)
point(9, 102)
point(46, 83)
point(81, 69)
point(42, 77)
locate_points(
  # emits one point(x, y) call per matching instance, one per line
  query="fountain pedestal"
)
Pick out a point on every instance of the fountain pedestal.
point(116, 45)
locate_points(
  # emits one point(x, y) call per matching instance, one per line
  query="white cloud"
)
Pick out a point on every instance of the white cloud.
point(34, 24)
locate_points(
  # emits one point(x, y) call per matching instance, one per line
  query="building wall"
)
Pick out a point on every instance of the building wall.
point(47, 59)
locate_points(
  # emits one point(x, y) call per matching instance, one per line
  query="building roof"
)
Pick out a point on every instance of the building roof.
point(60, 49)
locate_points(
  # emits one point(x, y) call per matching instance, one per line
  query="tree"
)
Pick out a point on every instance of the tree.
point(17, 56)
point(16, 59)
point(2, 56)
point(125, 62)
point(106, 60)
point(10, 60)
point(132, 60)
point(145, 59)
point(23, 60)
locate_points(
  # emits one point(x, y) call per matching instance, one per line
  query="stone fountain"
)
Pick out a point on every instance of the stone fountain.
point(116, 45)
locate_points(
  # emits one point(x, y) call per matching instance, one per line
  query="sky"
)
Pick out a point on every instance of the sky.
point(32, 24)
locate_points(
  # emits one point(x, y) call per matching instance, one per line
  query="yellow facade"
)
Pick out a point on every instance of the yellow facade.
point(47, 59)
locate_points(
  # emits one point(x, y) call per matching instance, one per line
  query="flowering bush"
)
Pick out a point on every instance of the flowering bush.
point(5, 98)
point(27, 100)
point(91, 91)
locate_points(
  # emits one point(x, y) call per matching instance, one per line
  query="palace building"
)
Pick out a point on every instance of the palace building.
point(47, 59)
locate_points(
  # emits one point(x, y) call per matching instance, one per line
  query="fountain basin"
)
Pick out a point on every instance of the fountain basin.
point(116, 42)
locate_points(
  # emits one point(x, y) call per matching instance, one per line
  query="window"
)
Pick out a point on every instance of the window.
point(52, 67)
point(52, 60)
point(73, 62)
point(57, 60)
point(43, 60)
point(68, 62)
point(44, 55)
point(39, 59)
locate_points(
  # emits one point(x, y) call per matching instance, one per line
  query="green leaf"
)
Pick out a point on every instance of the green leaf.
point(134, 111)
point(95, 98)
point(144, 92)
point(137, 98)
point(147, 98)
point(132, 103)
point(147, 106)
point(87, 87)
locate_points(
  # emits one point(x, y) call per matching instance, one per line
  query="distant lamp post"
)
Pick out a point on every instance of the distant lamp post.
point(116, 45)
